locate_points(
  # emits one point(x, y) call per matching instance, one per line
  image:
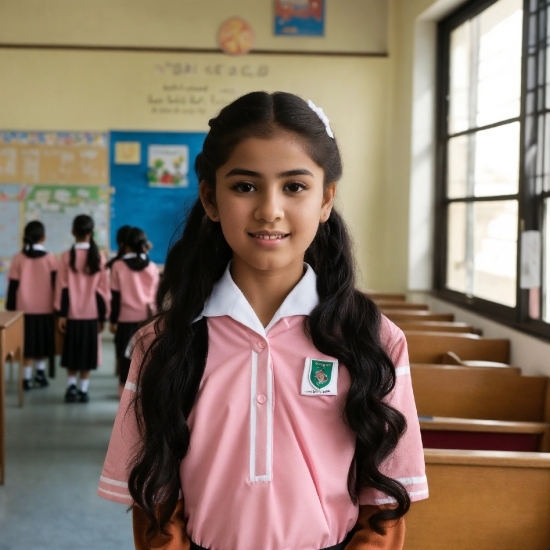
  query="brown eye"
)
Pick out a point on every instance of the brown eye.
point(244, 187)
point(295, 187)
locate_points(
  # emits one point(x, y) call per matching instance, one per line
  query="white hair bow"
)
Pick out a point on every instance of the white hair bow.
point(322, 116)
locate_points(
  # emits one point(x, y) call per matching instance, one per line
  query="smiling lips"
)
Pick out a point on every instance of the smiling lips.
point(269, 236)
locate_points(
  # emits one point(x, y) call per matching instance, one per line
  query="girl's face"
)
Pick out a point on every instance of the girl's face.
point(269, 199)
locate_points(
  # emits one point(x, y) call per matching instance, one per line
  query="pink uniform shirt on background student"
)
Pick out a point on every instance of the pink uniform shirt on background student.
point(137, 289)
point(269, 455)
point(35, 293)
point(82, 287)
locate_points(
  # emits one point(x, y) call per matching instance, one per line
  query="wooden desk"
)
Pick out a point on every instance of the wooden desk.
point(11, 346)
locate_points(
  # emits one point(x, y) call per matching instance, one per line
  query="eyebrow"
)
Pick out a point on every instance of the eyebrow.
point(252, 174)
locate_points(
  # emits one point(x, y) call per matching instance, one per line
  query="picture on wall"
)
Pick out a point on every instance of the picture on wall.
point(168, 166)
point(299, 18)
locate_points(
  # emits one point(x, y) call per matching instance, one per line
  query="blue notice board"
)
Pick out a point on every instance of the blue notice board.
point(154, 183)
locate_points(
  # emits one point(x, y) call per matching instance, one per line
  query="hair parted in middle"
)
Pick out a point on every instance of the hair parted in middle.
point(173, 364)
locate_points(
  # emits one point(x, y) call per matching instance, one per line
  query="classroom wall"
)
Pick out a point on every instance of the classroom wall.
point(351, 25)
point(95, 90)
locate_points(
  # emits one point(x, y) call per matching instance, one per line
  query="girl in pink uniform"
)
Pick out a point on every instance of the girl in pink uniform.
point(269, 404)
point(82, 300)
point(31, 290)
point(134, 283)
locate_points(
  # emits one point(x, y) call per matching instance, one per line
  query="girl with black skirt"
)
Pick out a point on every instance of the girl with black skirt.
point(134, 283)
point(82, 300)
point(31, 290)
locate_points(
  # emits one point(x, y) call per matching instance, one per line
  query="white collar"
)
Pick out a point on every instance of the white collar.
point(227, 299)
point(35, 247)
point(81, 246)
point(131, 255)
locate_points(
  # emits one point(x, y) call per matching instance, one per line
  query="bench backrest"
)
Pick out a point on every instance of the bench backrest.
point(435, 326)
point(416, 315)
point(429, 347)
point(476, 393)
point(487, 500)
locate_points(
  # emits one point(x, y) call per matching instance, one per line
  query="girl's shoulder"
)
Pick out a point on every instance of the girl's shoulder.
point(391, 335)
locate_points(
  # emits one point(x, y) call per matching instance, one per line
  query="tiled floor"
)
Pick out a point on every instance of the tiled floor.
point(54, 456)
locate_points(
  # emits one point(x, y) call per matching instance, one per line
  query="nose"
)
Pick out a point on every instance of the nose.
point(269, 207)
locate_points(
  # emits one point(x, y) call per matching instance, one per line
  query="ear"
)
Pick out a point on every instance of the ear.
point(328, 201)
point(207, 195)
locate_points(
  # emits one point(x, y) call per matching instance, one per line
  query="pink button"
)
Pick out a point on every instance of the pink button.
point(261, 344)
point(261, 399)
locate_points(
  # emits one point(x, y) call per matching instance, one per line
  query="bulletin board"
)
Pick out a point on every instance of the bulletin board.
point(51, 177)
point(153, 183)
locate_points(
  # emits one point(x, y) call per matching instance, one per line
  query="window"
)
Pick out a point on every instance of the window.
point(493, 161)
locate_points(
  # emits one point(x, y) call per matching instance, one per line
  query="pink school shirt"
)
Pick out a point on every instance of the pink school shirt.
point(35, 294)
point(137, 290)
point(82, 287)
point(267, 465)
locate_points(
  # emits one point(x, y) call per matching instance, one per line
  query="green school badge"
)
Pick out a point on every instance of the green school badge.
point(320, 373)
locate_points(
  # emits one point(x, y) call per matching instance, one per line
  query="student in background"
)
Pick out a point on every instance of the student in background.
point(31, 290)
point(121, 235)
point(82, 300)
point(134, 283)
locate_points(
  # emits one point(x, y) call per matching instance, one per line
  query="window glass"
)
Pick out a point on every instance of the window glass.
point(495, 251)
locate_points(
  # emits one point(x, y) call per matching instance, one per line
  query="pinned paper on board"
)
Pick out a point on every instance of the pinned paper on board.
point(127, 152)
point(530, 259)
point(168, 166)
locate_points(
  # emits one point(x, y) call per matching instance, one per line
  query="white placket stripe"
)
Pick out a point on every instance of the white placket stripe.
point(269, 406)
point(253, 385)
point(261, 418)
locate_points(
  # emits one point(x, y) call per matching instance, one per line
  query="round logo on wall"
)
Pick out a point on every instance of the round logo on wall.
point(235, 36)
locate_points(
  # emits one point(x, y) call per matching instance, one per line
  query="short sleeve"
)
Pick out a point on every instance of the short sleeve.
point(14, 272)
point(61, 281)
point(406, 463)
point(125, 438)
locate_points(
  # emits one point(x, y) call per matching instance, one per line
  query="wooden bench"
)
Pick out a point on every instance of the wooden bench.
point(484, 435)
point(482, 408)
point(484, 366)
point(430, 347)
point(436, 326)
point(451, 358)
point(377, 296)
point(416, 315)
point(480, 394)
point(398, 304)
point(482, 500)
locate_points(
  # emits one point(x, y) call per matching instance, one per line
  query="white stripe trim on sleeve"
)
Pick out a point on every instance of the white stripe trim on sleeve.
point(416, 493)
point(130, 386)
point(120, 495)
point(113, 482)
point(400, 371)
point(412, 480)
point(390, 500)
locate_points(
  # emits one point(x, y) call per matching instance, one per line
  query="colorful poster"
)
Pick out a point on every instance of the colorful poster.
point(56, 206)
point(168, 166)
point(10, 224)
point(299, 17)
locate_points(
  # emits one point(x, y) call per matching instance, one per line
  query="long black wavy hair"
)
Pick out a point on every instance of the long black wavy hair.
point(345, 324)
point(83, 226)
point(34, 232)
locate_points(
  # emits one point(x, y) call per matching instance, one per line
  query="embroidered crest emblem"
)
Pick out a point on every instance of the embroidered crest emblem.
point(320, 377)
point(320, 373)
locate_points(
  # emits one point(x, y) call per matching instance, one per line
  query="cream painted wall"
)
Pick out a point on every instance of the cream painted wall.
point(75, 90)
point(351, 25)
